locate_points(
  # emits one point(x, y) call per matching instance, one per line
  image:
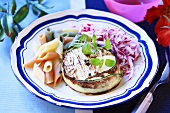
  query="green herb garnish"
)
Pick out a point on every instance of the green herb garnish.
point(107, 44)
point(101, 63)
point(94, 42)
point(110, 62)
point(95, 61)
point(86, 49)
point(84, 38)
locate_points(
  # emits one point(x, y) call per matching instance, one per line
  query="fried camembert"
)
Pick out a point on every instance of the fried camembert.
point(89, 68)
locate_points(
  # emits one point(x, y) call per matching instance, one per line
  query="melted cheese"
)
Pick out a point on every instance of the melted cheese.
point(77, 65)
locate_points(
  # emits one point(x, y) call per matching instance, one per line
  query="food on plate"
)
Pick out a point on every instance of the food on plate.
point(90, 59)
point(46, 63)
point(91, 69)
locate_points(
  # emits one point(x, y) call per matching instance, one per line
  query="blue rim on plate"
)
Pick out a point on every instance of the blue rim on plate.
point(140, 83)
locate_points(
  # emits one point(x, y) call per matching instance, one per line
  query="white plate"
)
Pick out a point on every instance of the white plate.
point(22, 51)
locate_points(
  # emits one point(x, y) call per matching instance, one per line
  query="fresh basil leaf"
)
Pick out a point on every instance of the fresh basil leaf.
point(21, 13)
point(107, 44)
point(7, 24)
point(110, 62)
point(2, 9)
point(94, 42)
point(95, 61)
point(101, 63)
point(37, 11)
point(85, 38)
point(13, 7)
point(86, 49)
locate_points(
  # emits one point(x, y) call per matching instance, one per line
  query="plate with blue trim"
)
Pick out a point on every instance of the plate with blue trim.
point(62, 95)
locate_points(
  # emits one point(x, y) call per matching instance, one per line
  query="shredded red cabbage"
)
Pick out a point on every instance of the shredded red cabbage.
point(125, 47)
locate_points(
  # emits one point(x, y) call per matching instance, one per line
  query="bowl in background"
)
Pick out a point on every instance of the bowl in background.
point(133, 10)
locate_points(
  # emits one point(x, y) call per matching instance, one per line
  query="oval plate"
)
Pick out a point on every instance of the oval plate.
point(22, 51)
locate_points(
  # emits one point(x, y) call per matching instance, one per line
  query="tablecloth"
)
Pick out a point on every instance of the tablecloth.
point(14, 98)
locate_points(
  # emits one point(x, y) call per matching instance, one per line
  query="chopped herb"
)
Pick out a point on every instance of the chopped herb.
point(86, 49)
point(107, 44)
point(110, 62)
point(84, 38)
point(95, 61)
point(101, 63)
point(94, 42)
point(77, 45)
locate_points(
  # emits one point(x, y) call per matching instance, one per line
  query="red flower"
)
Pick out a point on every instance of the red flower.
point(163, 37)
point(162, 12)
point(159, 11)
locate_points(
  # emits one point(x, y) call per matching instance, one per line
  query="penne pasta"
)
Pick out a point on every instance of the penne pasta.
point(67, 39)
point(46, 62)
point(37, 71)
point(58, 81)
point(59, 49)
point(56, 34)
point(42, 39)
point(48, 56)
point(48, 65)
point(49, 77)
point(71, 30)
point(49, 34)
point(49, 46)
point(57, 74)
point(30, 63)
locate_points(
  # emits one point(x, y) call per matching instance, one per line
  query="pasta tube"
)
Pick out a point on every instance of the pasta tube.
point(37, 71)
point(30, 63)
point(56, 34)
point(48, 66)
point(67, 39)
point(42, 39)
point(49, 46)
point(71, 31)
point(57, 74)
point(49, 77)
point(59, 49)
point(49, 34)
point(48, 56)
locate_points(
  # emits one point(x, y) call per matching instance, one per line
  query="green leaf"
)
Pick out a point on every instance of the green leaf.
point(41, 6)
point(94, 42)
point(2, 36)
point(110, 62)
point(21, 13)
point(101, 63)
point(13, 7)
point(77, 45)
point(86, 49)
point(2, 9)
point(14, 34)
point(38, 12)
point(107, 44)
point(95, 61)
point(7, 24)
point(39, 1)
point(85, 38)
